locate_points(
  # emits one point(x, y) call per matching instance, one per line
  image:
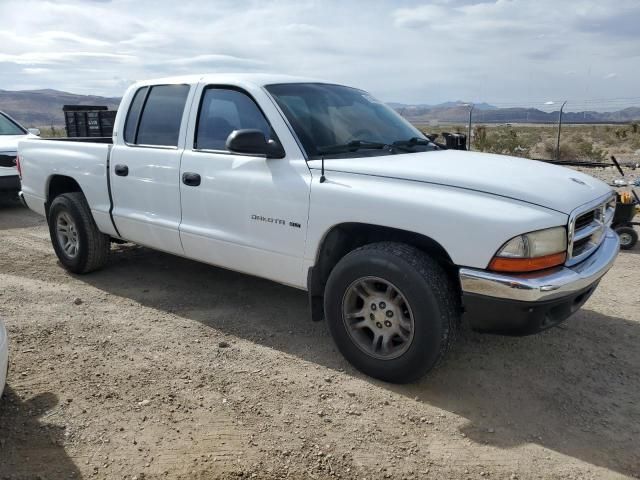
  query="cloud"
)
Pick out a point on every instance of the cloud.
point(36, 58)
point(423, 15)
point(215, 60)
point(400, 50)
point(35, 71)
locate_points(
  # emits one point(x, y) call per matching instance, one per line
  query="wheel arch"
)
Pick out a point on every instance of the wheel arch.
point(343, 238)
point(57, 185)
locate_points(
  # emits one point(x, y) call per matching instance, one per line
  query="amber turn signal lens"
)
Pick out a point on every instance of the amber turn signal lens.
point(521, 265)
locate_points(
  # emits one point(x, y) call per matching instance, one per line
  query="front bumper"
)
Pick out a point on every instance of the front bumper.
point(9, 183)
point(527, 303)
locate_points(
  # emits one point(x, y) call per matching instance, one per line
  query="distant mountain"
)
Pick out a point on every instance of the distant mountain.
point(425, 106)
point(485, 113)
point(43, 108)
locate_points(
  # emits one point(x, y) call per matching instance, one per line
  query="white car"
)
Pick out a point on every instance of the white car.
point(4, 356)
point(324, 188)
point(11, 132)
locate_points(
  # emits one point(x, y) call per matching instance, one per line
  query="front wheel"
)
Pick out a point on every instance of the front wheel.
point(79, 245)
point(392, 311)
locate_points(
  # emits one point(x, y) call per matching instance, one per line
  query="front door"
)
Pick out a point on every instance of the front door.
point(247, 212)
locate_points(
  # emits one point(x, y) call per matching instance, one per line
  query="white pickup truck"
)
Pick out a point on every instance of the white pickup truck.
point(324, 188)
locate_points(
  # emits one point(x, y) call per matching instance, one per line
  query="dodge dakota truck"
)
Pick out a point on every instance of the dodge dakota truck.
point(324, 188)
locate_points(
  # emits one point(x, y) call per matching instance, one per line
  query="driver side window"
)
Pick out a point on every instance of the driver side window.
point(224, 110)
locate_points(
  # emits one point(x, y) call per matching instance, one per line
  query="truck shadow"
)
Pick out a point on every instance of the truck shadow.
point(14, 215)
point(29, 447)
point(573, 389)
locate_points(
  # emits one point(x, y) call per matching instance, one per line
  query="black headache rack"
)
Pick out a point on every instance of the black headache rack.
point(452, 141)
point(88, 121)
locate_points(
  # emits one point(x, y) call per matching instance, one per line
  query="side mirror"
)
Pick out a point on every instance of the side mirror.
point(34, 131)
point(253, 142)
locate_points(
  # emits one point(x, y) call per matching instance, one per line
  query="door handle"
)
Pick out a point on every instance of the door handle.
point(191, 179)
point(121, 170)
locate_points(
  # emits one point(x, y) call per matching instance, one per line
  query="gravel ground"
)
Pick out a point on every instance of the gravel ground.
point(160, 367)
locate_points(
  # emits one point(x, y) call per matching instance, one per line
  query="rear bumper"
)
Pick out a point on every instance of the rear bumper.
point(528, 303)
point(9, 183)
point(22, 199)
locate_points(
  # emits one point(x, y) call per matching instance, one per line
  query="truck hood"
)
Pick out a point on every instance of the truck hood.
point(544, 184)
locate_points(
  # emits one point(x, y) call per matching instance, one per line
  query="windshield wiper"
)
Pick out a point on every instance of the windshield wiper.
point(352, 146)
point(413, 142)
point(356, 145)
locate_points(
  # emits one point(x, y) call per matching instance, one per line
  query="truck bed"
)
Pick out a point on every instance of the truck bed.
point(45, 161)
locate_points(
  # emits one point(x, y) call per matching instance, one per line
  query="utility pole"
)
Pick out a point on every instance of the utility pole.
point(559, 128)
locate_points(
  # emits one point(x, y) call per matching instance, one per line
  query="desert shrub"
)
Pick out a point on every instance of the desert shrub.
point(576, 149)
point(480, 138)
point(500, 140)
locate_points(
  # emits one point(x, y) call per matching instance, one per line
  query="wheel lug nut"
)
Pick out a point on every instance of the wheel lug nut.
point(378, 324)
point(374, 306)
point(383, 305)
point(372, 317)
point(389, 313)
point(387, 323)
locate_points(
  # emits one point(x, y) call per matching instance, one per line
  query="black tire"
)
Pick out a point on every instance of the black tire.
point(92, 245)
point(429, 292)
point(628, 237)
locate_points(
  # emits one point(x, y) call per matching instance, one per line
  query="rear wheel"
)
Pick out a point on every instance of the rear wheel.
point(79, 245)
point(392, 311)
point(628, 237)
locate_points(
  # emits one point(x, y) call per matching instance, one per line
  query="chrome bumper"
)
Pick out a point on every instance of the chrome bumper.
point(549, 286)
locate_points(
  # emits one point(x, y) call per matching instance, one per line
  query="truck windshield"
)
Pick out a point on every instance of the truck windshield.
point(333, 120)
point(8, 127)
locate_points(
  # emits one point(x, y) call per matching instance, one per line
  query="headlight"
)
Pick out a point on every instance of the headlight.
point(532, 251)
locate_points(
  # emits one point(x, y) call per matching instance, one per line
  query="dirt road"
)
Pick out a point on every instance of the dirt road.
point(159, 367)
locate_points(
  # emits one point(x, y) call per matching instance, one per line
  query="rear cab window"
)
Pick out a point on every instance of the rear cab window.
point(224, 109)
point(155, 115)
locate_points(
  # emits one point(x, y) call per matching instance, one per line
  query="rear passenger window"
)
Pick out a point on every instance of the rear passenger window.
point(162, 115)
point(224, 110)
point(133, 116)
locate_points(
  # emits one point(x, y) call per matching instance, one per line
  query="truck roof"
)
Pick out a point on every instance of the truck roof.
point(255, 79)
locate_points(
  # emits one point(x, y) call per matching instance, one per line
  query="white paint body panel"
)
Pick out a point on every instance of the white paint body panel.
point(469, 225)
point(86, 163)
point(530, 181)
point(468, 202)
point(218, 217)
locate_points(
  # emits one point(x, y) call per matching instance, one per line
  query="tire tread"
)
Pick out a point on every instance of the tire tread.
point(437, 279)
point(98, 244)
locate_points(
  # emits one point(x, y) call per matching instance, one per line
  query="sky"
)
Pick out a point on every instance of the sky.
point(506, 52)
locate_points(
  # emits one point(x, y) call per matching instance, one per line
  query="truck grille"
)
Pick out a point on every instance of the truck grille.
point(587, 227)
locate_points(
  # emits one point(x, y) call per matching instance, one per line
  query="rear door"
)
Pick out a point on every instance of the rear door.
point(145, 167)
point(247, 212)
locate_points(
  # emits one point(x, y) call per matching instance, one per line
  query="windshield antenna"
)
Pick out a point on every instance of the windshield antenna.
point(322, 177)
